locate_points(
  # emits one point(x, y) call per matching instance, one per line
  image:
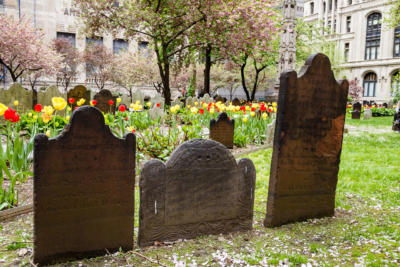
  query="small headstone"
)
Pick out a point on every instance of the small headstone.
point(77, 93)
point(222, 130)
point(236, 102)
point(157, 99)
point(44, 97)
point(385, 105)
point(83, 190)
point(138, 96)
point(356, 113)
point(396, 121)
point(206, 99)
point(156, 113)
point(220, 99)
point(270, 133)
point(103, 99)
point(367, 114)
point(200, 190)
point(189, 102)
point(17, 92)
point(307, 144)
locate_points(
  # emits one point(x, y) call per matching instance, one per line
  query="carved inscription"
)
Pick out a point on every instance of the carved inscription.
point(104, 98)
point(200, 190)
point(307, 144)
point(222, 130)
point(83, 190)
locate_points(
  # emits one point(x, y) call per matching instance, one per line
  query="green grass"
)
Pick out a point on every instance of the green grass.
point(376, 122)
point(365, 229)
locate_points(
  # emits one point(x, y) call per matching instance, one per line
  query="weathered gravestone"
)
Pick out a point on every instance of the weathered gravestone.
point(157, 99)
point(44, 97)
point(367, 114)
point(189, 102)
point(200, 190)
point(356, 113)
point(77, 93)
point(222, 130)
point(270, 133)
point(103, 97)
point(236, 102)
point(396, 121)
point(156, 113)
point(176, 101)
point(83, 190)
point(206, 99)
point(138, 96)
point(307, 144)
point(17, 92)
point(220, 99)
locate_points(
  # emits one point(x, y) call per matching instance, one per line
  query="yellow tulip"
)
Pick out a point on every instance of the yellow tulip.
point(252, 113)
point(48, 133)
point(194, 110)
point(274, 104)
point(247, 108)
point(212, 110)
point(131, 105)
point(195, 103)
point(69, 108)
point(118, 100)
point(177, 107)
point(138, 102)
point(244, 119)
point(172, 109)
point(46, 118)
point(35, 117)
point(59, 103)
point(29, 114)
point(16, 103)
point(48, 110)
point(81, 102)
point(265, 115)
point(67, 118)
point(3, 109)
point(148, 104)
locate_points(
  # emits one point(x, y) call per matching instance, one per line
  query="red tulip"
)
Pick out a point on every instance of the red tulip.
point(263, 108)
point(75, 108)
point(121, 108)
point(201, 111)
point(71, 100)
point(38, 108)
point(9, 114)
point(253, 109)
point(126, 118)
point(243, 108)
point(110, 102)
point(269, 109)
point(15, 118)
point(158, 105)
point(133, 130)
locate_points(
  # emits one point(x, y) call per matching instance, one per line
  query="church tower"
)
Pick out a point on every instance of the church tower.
point(287, 47)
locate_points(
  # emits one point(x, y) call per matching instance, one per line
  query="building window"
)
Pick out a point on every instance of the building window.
point(312, 8)
point(395, 82)
point(373, 39)
point(120, 45)
point(369, 84)
point(94, 40)
point(67, 35)
point(396, 48)
point(330, 5)
point(335, 4)
point(143, 45)
point(349, 2)
point(334, 26)
point(324, 7)
point(348, 24)
point(346, 51)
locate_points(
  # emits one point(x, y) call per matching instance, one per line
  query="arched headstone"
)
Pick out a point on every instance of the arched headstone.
point(44, 97)
point(236, 102)
point(307, 143)
point(103, 97)
point(356, 113)
point(83, 190)
point(157, 99)
point(17, 92)
point(222, 130)
point(200, 190)
point(77, 93)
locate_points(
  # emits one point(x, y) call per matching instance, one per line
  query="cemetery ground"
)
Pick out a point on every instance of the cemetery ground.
point(365, 229)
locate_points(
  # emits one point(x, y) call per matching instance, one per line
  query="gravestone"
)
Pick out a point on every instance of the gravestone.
point(83, 190)
point(367, 114)
point(396, 121)
point(220, 99)
point(44, 97)
point(200, 190)
point(157, 99)
point(17, 92)
point(390, 104)
point(156, 113)
point(77, 93)
point(236, 102)
point(206, 99)
point(138, 96)
point(385, 105)
point(307, 143)
point(175, 102)
point(270, 133)
point(125, 99)
point(189, 102)
point(103, 97)
point(222, 130)
point(356, 113)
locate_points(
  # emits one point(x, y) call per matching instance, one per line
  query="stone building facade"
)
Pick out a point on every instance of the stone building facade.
point(370, 49)
point(57, 19)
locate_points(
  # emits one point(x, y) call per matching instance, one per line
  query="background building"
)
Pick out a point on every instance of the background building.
point(370, 49)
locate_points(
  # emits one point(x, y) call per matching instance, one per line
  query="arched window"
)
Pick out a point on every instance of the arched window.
point(373, 39)
point(369, 84)
point(311, 8)
point(396, 47)
point(395, 82)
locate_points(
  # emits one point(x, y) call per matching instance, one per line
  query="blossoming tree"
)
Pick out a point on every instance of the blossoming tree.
point(24, 49)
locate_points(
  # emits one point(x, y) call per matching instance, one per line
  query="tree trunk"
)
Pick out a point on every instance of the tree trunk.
point(34, 97)
point(207, 70)
point(242, 68)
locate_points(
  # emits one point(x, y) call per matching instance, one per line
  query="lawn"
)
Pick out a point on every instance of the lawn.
point(365, 229)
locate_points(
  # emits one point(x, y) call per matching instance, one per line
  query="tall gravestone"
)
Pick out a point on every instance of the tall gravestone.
point(307, 143)
point(222, 130)
point(356, 113)
point(17, 92)
point(200, 190)
point(396, 121)
point(103, 97)
point(83, 190)
point(77, 93)
point(157, 99)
